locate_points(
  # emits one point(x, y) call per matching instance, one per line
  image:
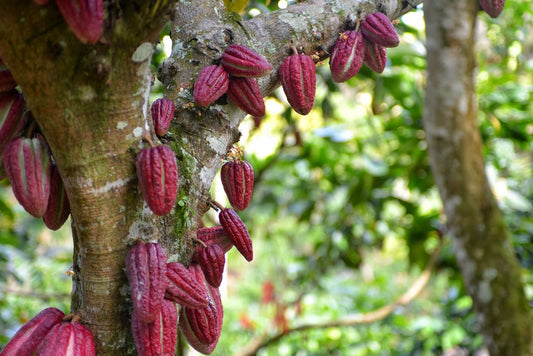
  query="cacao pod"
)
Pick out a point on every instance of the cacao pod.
point(375, 56)
point(241, 61)
point(245, 93)
point(12, 119)
point(158, 337)
point(183, 288)
point(492, 7)
point(7, 82)
point(28, 338)
point(146, 268)
point(347, 56)
point(162, 113)
point(84, 17)
point(215, 235)
point(211, 84)
point(28, 166)
point(58, 208)
point(157, 172)
point(378, 28)
point(238, 181)
point(298, 79)
point(212, 261)
point(68, 339)
point(237, 232)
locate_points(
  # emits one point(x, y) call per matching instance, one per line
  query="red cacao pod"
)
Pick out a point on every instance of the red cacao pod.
point(347, 56)
point(212, 261)
point(241, 61)
point(68, 339)
point(375, 56)
point(298, 79)
point(215, 235)
point(183, 288)
point(7, 82)
point(157, 172)
point(378, 28)
point(12, 119)
point(158, 337)
point(211, 84)
point(28, 338)
point(245, 93)
point(28, 166)
point(146, 268)
point(162, 113)
point(58, 208)
point(84, 17)
point(238, 181)
point(237, 232)
point(492, 7)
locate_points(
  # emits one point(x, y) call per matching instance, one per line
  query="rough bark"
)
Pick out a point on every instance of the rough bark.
point(481, 243)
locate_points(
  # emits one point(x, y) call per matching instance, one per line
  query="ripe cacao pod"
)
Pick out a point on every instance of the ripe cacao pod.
point(68, 339)
point(158, 337)
point(212, 261)
point(492, 7)
point(157, 172)
point(162, 113)
point(28, 166)
point(375, 56)
point(298, 79)
point(146, 268)
point(84, 17)
point(347, 56)
point(378, 28)
point(183, 288)
point(7, 82)
point(241, 61)
point(214, 235)
point(238, 181)
point(12, 119)
point(28, 338)
point(237, 232)
point(58, 208)
point(211, 84)
point(245, 93)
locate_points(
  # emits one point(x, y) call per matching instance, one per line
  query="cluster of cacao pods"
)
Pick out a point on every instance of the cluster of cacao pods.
point(51, 333)
point(492, 7)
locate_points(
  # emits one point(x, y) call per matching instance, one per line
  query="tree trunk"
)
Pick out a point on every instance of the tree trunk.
point(481, 243)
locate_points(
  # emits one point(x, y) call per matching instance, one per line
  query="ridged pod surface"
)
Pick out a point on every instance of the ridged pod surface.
point(28, 166)
point(245, 93)
point(84, 17)
point(237, 232)
point(183, 288)
point(212, 260)
point(162, 113)
point(298, 79)
point(375, 56)
point(492, 7)
point(146, 268)
point(211, 236)
point(11, 115)
point(238, 181)
point(241, 61)
point(7, 82)
point(378, 28)
point(211, 84)
point(28, 338)
point(347, 56)
point(68, 339)
point(158, 337)
point(58, 208)
point(157, 172)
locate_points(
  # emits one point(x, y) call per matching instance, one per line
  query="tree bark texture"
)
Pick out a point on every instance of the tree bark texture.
point(481, 243)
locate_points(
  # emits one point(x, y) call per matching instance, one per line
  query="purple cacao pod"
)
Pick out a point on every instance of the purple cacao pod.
point(58, 208)
point(298, 79)
point(375, 56)
point(492, 7)
point(211, 84)
point(347, 56)
point(84, 17)
point(162, 113)
point(237, 232)
point(159, 337)
point(212, 261)
point(245, 93)
point(238, 181)
point(241, 61)
point(378, 28)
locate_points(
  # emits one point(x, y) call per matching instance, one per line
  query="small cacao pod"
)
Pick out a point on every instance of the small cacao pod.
point(378, 28)
point(28, 338)
point(162, 113)
point(146, 268)
point(237, 232)
point(245, 93)
point(68, 339)
point(211, 84)
point(492, 7)
point(183, 288)
point(375, 56)
point(212, 261)
point(241, 61)
point(12, 119)
point(238, 181)
point(158, 337)
point(347, 56)
point(58, 208)
point(298, 79)
point(7, 82)
point(214, 235)
point(157, 172)
point(84, 17)
point(28, 166)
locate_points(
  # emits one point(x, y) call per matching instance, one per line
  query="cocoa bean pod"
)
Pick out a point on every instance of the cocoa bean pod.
point(238, 181)
point(212, 261)
point(237, 232)
point(84, 17)
point(28, 166)
point(146, 268)
point(212, 83)
point(7, 82)
point(12, 119)
point(215, 235)
point(158, 337)
point(157, 172)
point(298, 79)
point(378, 28)
point(58, 208)
point(28, 338)
point(375, 56)
point(245, 93)
point(241, 61)
point(183, 288)
point(492, 7)
point(162, 113)
point(347, 56)
point(67, 339)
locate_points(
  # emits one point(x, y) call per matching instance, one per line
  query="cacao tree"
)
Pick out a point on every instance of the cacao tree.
point(91, 103)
